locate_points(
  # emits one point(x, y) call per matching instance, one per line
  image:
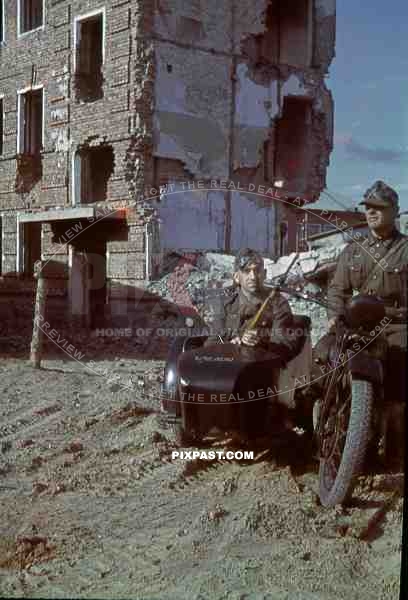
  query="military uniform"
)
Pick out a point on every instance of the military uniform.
point(232, 310)
point(388, 281)
point(379, 266)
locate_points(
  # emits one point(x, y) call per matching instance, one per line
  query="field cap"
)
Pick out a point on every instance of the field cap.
point(382, 195)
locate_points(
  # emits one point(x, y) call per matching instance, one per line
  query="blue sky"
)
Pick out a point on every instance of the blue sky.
point(369, 82)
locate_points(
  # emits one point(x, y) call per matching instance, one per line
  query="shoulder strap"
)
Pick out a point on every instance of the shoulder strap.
point(391, 251)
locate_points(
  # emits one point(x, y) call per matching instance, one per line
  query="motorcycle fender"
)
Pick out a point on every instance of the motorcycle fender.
point(366, 367)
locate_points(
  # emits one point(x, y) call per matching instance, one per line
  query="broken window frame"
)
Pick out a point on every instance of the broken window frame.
point(22, 148)
point(1, 124)
point(280, 40)
point(23, 265)
point(2, 21)
point(82, 175)
point(277, 163)
point(21, 7)
point(78, 20)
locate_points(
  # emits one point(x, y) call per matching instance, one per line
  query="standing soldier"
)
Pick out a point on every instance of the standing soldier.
point(379, 265)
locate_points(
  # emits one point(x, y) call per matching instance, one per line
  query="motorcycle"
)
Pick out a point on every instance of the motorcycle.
point(231, 387)
point(347, 418)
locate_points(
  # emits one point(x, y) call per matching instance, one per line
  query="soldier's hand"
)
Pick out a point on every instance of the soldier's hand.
point(332, 323)
point(251, 338)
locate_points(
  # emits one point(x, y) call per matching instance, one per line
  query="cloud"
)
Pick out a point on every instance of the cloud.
point(377, 155)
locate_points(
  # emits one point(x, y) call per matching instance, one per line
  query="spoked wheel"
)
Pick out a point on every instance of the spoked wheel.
point(344, 432)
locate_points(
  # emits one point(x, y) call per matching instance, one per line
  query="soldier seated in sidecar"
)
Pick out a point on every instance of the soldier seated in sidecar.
point(243, 376)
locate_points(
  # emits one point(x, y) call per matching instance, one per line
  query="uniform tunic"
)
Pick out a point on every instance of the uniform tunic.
point(232, 312)
point(388, 281)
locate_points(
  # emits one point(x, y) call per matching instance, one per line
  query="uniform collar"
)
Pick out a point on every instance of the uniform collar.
point(372, 240)
point(254, 301)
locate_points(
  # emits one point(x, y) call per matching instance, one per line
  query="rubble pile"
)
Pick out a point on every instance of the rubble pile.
point(190, 280)
point(184, 291)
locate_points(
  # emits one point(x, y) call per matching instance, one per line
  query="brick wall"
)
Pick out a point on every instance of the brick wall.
point(180, 64)
point(120, 118)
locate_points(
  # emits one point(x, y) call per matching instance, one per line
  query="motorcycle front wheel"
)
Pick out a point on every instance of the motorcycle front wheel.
point(345, 432)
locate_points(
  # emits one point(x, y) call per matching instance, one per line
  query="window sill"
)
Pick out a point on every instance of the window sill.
point(23, 34)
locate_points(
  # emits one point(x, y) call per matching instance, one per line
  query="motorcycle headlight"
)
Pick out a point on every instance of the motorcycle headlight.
point(170, 377)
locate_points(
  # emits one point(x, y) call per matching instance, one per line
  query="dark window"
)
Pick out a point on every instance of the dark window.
point(93, 168)
point(89, 58)
point(313, 229)
point(31, 14)
point(1, 125)
point(1, 20)
point(32, 246)
point(292, 138)
point(31, 122)
point(288, 36)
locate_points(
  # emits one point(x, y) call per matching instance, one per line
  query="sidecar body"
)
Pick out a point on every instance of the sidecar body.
point(231, 387)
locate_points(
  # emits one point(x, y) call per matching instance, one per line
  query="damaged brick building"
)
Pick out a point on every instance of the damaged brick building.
point(102, 102)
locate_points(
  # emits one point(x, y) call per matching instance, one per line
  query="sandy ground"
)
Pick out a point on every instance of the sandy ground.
point(93, 506)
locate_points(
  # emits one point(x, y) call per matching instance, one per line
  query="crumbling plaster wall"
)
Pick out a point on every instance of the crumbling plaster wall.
point(325, 27)
point(196, 219)
point(217, 102)
point(215, 108)
point(192, 109)
point(203, 23)
point(200, 86)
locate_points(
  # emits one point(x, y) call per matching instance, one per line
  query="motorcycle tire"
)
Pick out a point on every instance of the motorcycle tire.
point(336, 488)
point(184, 437)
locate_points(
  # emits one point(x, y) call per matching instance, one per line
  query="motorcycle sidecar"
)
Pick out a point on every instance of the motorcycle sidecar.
point(230, 387)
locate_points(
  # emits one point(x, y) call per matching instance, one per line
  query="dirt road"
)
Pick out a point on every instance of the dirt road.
point(93, 506)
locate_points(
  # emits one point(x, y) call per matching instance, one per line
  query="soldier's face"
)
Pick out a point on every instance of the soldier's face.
point(380, 218)
point(251, 278)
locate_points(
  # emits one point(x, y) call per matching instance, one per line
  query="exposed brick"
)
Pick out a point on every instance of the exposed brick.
point(120, 74)
point(8, 264)
point(9, 243)
point(120, 99)
point(120, 20)
point(62, 16)
point(143, 78)
point(119, 45)
point(62, 40)
point(127, 265)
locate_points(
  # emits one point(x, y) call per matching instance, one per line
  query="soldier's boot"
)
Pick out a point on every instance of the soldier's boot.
point(394, 439)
